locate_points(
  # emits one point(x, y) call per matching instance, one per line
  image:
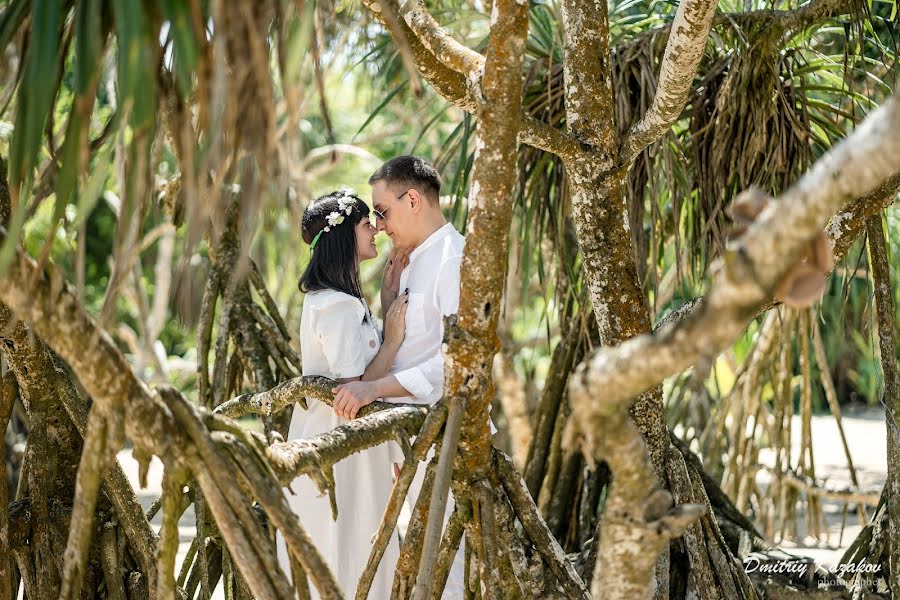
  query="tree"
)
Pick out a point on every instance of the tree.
point(216, 104)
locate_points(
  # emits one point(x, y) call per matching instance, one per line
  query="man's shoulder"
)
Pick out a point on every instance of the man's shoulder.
point(454, 244)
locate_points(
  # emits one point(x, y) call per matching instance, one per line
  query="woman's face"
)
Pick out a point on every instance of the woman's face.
point(365, 241)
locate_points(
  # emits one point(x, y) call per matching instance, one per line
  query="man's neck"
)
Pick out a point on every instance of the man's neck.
point(432, 223)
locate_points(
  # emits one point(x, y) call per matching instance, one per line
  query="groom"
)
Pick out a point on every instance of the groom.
point(405, 195)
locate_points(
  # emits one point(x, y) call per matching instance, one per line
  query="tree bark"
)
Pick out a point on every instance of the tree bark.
point(885, 309)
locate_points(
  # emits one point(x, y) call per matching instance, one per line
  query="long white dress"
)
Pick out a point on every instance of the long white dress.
point(338, 339)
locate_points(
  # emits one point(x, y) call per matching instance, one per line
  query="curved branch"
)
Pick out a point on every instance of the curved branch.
point(435, 38)
point(842, 230)
point(687, 40)
point(455, 88)
point(750, 270)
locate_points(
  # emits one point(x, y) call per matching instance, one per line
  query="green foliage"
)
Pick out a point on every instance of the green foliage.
point(760, 114)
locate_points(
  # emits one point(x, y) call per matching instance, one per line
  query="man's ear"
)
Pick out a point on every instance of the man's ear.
point(415, 200)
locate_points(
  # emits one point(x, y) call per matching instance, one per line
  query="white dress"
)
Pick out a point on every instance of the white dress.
point(338, 341)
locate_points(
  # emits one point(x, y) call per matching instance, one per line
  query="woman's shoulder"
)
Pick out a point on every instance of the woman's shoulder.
point(332, 300)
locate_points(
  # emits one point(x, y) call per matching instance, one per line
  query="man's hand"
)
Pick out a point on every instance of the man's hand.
point(350, 397)
point(390, 280)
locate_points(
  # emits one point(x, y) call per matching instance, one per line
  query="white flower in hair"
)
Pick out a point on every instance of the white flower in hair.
point(334, 218)
point(345, 203)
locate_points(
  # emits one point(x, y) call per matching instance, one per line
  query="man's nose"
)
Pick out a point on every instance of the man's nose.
point(379, 224)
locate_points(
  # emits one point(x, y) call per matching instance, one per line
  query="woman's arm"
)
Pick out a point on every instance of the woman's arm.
point(381, 364)
point(394, 333)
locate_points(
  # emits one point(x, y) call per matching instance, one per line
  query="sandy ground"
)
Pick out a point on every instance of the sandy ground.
point(865, 434)
point(866, 437)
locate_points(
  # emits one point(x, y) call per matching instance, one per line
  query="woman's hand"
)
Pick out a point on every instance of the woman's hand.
point(350, 397)
point(395, 321)
point(390, 280)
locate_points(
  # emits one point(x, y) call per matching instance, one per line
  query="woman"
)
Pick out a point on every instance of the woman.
point(339, 339)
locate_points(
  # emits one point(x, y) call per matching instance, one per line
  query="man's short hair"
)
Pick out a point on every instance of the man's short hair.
point(410, 172)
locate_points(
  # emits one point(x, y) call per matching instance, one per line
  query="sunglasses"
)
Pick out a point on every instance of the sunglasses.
point(377, 215)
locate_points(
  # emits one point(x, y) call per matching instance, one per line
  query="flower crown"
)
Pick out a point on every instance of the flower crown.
point(335, 218)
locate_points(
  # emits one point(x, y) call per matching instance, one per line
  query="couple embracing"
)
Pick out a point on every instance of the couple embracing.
point(341, 339)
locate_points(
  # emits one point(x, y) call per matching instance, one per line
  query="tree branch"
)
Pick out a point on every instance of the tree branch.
point(536, 528)
point(687, 40)
point(639, 519)
point(436, 40)
point(749, 272)
point(842, 230)
point(304, 457)
point(884, 303)
point(587, 75)
point(455, 88)
point(288, 392)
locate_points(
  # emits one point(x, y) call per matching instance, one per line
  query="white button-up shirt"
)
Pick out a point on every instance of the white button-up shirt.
point(432, 277)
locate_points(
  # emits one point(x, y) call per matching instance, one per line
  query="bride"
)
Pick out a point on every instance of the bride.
point(339, 339)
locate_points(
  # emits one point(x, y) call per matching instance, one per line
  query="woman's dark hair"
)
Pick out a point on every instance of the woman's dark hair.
point(332, 264)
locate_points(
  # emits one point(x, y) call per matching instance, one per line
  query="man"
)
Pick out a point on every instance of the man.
point(405, 195)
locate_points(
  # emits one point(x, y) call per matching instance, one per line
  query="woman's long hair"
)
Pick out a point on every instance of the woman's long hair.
point(333, 264)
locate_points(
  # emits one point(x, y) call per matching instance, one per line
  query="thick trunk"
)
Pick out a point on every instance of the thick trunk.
point(600, 212)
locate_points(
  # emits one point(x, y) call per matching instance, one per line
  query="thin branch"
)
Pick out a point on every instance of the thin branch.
point(257, 279)
point(687, 41)
point(90, 470)
point(435, 420)
point(438, 503)
point(446, 554)
point(817, 489)
point(299, 544)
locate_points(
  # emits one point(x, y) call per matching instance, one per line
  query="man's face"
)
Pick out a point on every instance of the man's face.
point(398, 212)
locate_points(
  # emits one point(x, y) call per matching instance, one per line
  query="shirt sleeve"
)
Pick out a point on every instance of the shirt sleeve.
point(447, 288)
point(422, 380)
point(338, 329)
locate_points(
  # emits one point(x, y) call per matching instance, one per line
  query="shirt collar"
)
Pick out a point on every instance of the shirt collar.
point(431, 240)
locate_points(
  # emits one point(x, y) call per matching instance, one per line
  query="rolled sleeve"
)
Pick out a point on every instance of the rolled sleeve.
point(416, 383)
